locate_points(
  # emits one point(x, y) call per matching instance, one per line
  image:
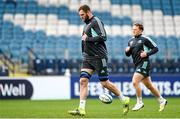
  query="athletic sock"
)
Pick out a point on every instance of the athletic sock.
point(121, 97)
point(82, 104)
point(160, 99)
point(139, 100)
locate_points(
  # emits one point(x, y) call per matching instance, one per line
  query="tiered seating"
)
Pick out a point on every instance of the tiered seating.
point(52, 29)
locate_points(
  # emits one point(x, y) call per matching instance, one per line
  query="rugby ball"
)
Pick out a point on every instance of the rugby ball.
point(105, 98)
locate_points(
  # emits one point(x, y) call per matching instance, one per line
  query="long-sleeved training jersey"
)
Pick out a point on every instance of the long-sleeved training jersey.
point(94, 46)
point(139, 44)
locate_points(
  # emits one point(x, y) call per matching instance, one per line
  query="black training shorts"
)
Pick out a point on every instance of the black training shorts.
point(99, 65)
point(143, 68)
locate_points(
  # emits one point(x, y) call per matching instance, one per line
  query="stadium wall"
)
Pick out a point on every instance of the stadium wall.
point(35, 88)
point(168, 85)
point(67, 87)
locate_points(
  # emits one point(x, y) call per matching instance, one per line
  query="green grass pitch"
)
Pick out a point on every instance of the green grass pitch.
point(94, 109)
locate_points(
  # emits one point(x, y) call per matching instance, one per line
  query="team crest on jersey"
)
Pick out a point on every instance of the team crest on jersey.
point(102, 71)
point(131, 43)
point(140, 41)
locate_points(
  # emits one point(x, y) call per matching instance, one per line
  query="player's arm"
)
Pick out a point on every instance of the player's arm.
point(152, 45)
point(98, 32)
point(128, 50)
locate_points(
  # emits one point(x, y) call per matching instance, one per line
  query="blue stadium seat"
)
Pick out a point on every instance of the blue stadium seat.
point(74, 47)
point(166, 7)
point(24, 55)
point(10, 8)
point(74, 18)
point(62, 66)
point(1, 7)
point(6, 25)
point(146, 4)
point(116, 21)
point(116, 47)
point(32, 7)
point(7, 30)
point(176, 8)
point(126, 2)
point(21, 7)
point(106, 17)
point(18, 32)
point(178, 41)
point(15, 57)
point(27, 42)
point(39, 66)
point(137, 2)
point(38, 50)
point(42, 10)
point(156, 4)
point(40, 35)
point(15, 51)
point(49, 53)
point(4, 46)
point(109, 47)
point(53, 10)
point(116, 1)
point(0, 33)
point(74, 65)
point(50, 66)
point(172, 47)
point(161, 41)
point(61, 45)
point(63, 12)
point(176, 66)
point(126, 20)
point(30, 34)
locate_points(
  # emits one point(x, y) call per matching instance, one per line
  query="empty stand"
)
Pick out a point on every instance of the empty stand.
point(52, 30)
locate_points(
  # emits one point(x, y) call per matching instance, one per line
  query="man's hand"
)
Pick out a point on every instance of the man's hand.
point(143, 54)
point(84, 37)
point(127, 49)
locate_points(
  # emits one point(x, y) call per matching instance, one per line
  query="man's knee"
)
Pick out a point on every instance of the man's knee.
point(149, 86)
point(104, 80)
point(136, 79)
point(83, 81)
point(105, 83)
point(135, 83)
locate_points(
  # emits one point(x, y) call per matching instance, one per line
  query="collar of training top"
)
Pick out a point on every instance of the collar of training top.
point(138, 36)
point(87, 21)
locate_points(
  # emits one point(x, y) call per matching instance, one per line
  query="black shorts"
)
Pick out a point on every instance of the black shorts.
point(143, 68)
point(99, 65)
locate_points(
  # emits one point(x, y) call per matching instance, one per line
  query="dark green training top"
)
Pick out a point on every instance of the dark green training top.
point(94, 46)
point(139, 44)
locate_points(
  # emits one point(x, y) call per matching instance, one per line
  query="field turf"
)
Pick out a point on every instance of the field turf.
point(94, 109)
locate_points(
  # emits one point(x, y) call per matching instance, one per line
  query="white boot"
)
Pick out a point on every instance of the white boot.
point(162, 105)
point(138, 106)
